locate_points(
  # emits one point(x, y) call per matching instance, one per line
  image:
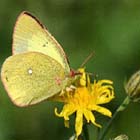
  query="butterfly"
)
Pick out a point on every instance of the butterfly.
point(38, 68)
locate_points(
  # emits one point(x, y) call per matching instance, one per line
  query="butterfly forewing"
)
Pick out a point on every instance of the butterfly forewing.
point(30, 35)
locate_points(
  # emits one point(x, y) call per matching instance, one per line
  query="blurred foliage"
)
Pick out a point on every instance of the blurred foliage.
point(110, 28)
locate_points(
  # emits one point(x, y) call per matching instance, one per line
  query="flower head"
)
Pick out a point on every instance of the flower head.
point(84, 100)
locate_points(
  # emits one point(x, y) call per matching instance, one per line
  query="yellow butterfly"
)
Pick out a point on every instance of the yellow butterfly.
point(38, 68)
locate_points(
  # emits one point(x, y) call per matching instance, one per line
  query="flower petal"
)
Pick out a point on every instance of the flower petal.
point(90, 117)
point(66, 123)
point(79, 122)
point(102, 110)
point(68, 109)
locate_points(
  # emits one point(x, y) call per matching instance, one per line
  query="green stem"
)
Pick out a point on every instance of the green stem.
point(97, 135)
point(122, 106)
point(86, 133)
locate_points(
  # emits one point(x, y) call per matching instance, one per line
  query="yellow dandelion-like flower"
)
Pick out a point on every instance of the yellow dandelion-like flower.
point(84, 100)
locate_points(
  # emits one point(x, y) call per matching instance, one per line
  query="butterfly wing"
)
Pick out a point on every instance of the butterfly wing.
point(32, 77)
point(30, 35)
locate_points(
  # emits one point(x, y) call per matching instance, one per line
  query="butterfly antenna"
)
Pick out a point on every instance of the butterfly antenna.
point(95, 76)
point(87, 59)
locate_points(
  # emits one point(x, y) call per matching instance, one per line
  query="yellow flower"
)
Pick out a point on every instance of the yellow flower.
point(84, 100)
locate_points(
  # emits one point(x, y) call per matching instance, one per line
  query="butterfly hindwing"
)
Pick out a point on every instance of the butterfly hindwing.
point(30, 78)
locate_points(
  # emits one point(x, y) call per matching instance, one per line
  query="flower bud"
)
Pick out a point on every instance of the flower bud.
point(132, 87)
point(121, 137)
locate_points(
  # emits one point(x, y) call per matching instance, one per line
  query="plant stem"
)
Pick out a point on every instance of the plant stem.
point(86, 133)
point(122, 106)
point(97, 133)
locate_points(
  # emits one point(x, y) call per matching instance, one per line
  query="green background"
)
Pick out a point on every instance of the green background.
point(109, 28)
